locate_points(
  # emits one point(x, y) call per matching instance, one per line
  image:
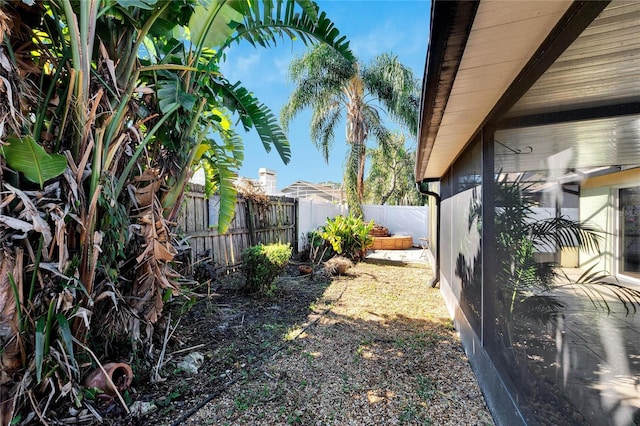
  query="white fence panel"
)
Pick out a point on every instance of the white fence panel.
point(312, 215)
point(400, 220)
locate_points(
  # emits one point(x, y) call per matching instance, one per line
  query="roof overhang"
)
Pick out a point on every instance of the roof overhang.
point(476, 52)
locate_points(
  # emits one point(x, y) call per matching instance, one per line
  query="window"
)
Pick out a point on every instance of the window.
point(629, 203)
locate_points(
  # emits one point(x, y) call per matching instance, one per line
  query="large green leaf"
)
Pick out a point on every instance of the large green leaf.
point(26, 156)
point(210, 23)
point(220, 176)
point(170, 94)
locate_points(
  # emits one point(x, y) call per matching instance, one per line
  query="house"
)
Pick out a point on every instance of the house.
point(268, 180)
point(530, 117)
point(315, 192)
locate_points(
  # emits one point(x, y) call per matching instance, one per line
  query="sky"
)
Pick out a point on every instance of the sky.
point(400, 27)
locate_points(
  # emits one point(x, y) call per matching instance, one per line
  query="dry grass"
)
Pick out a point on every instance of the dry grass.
point(378, 348)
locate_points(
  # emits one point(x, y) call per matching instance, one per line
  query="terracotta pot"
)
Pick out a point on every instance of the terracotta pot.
point(120, 374)
point(305, 269)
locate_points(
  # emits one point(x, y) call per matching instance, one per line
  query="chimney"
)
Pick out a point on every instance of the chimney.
point(268, 180)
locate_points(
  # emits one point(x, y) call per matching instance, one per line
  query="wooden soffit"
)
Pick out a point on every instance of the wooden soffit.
point(476, 51)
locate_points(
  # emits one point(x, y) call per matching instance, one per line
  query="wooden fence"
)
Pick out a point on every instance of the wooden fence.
point(252, 224)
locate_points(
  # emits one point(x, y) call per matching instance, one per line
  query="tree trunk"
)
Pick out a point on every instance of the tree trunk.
point(360, 181)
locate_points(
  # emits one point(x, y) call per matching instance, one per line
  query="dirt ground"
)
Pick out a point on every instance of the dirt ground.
point(375, 346)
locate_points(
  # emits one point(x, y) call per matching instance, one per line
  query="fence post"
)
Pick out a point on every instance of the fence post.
point(252, 231)
point(296, 228)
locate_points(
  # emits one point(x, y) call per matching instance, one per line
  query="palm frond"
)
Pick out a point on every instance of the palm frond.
point(560, 232)
point(281, 19)
point(255, 114)
point(601, 289)
point(319, 77)
point(541, 308)
point(220, 177)
point(377, 130)
point(324, 121)
point(395, 87)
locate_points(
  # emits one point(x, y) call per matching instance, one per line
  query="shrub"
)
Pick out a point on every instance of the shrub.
point(349, 236)
point(261, 265)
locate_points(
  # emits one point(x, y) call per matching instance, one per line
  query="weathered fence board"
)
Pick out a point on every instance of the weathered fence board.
point(252, 224)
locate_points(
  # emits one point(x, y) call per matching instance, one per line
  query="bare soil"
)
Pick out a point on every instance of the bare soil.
point(374, 346)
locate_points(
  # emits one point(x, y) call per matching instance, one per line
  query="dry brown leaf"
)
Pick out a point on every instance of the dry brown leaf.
point(31, 212)
point(16, 224)
point(162, 252)
point(65, 300)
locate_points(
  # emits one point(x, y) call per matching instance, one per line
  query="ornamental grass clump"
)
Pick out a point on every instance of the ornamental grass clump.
point(262, 264)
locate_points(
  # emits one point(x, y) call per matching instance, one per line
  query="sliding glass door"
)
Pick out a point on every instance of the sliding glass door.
point(629, 208)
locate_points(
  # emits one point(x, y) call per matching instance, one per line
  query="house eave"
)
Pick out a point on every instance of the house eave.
point(476, 52)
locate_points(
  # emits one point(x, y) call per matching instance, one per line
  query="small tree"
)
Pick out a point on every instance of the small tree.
point(391, 179)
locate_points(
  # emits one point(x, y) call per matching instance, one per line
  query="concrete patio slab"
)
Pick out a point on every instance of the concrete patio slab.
point(411, 255)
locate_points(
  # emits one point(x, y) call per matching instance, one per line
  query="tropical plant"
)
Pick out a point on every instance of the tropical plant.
point(336, 88)
point(315, 248)
point(390, 179)
point(107, 107)
point(261, 265)
point(348, 235)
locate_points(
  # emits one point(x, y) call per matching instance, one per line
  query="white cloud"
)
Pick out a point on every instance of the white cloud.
point(239, 66)
point(282, 68)
point(383, 38)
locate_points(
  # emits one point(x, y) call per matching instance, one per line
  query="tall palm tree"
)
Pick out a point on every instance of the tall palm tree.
point(336, 88)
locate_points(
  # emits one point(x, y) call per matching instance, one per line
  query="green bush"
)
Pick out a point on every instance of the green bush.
point(349, 236)
point(261, 265)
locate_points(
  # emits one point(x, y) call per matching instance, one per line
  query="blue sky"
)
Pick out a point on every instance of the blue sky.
point(373, 27)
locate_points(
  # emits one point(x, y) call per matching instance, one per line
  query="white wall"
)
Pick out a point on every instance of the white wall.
point(400, 220)
point(313, 214)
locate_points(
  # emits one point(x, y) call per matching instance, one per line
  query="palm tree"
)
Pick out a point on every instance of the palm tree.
point(390, 178)
point(107, 106)
point(336, 88)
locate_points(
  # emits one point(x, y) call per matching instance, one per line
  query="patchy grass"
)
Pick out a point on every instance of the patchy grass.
point(374, 346)
point(383, 352)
